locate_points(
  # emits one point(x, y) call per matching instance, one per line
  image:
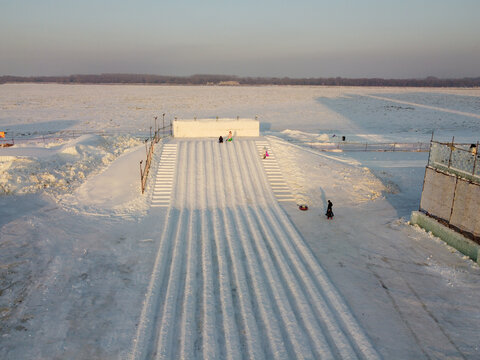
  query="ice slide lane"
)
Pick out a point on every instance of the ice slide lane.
point(233, 278)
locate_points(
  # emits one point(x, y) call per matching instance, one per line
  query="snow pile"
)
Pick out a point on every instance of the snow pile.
point(66, 168)
point(114, 190)
point(350, 183)
point(305, 137)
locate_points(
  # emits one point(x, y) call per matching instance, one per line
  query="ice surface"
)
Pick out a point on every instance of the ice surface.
point(78, 242)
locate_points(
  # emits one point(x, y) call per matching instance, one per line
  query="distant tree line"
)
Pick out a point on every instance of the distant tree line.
point(236, 80)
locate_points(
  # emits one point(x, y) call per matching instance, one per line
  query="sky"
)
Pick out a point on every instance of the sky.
point(301, 38)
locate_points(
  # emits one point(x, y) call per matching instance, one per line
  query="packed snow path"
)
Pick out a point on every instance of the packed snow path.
point(233, 278)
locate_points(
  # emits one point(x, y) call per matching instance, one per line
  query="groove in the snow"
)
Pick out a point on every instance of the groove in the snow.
point(233, 277)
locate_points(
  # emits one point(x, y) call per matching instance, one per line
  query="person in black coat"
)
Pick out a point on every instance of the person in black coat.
point(329, 210)
point(220, 139)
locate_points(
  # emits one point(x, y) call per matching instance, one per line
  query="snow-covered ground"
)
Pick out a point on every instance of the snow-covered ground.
point(89, 269)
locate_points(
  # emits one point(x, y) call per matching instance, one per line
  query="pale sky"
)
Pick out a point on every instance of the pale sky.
point(296, 38)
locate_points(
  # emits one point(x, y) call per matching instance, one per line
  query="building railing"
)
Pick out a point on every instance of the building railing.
point(459, 159)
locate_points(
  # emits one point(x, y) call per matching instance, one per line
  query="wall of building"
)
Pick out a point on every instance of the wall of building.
point(215, 127)
point(453, 200)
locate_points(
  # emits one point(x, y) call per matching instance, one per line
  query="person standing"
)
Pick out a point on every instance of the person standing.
point(329, 210)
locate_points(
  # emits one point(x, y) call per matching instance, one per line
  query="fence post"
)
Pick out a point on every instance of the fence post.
point(451, 151)
point(475, 159)
point(366, 144)
point(394, 146)
point(141, 175)
point(430, 150)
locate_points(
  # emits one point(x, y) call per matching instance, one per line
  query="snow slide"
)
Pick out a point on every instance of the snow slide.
point(233, 278)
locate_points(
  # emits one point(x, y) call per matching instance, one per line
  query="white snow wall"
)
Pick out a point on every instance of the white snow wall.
point(205, 128)
point(453, 200)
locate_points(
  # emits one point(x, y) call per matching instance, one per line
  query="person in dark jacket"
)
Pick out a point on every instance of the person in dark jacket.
point(220, 139)
point(329, 210)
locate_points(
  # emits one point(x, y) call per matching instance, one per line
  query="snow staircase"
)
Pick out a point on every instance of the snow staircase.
point(275, 178)
point(164, 178)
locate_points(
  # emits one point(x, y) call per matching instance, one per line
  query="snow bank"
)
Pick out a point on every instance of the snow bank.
point(306, 136)
point(346, 182)
point(60, 169)
point(116, 189)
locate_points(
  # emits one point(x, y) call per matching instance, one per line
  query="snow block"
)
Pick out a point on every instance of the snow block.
point(451, 237)
point(466, 208)
point(215, 127)
point(438, 193)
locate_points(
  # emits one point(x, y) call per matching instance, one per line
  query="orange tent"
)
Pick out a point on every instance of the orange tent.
point(2, 134)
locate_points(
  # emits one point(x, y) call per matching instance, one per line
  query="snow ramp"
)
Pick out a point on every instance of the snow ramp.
point(233, 278)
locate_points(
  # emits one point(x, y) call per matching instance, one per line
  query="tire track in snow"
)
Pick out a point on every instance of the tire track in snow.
point(233, 278)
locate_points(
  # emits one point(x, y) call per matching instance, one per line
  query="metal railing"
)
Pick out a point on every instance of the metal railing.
point(366, 146)
point(158, 134)
point(459, 159)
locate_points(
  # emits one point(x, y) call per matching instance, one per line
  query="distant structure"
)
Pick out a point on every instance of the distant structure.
point(450, 204)
point(192, 128)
